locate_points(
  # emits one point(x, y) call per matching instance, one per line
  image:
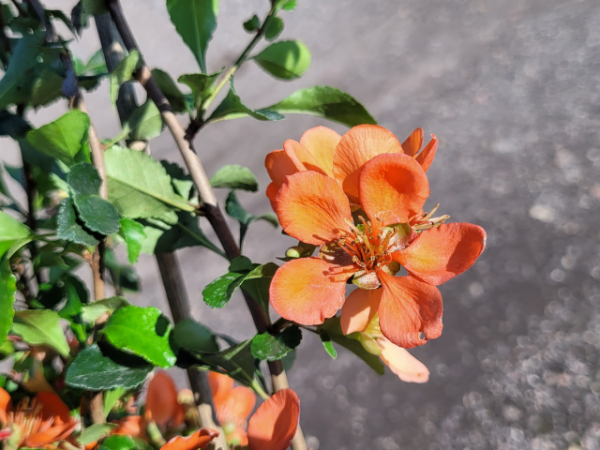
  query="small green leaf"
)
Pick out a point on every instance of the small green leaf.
point(83, 179)
point(257, 283)
point(274, 29)
point(144, 124)
point(118, 442)
point(232, 107)
point(97, 214)
point(328, 346)
point(265, 346)
point(96, 65)
point(194, 336)
point(142, 331)
point(11, 232)
point(237, 361)
point(286, 60)
point(237, 211)
point(111, 398)
point(94, 310)
point(287, 5)
point(41, 327)
point(8, 288)
point(252, 24)
point(139, 186)
point(217, 293)
point(182, 182)
point(195, 21)
point(123, 73)
point(202, 85)
point(133, 233)
point(67, 226)
point(46, 88)
point(95, 370)
point(170, 89)
point(95, 432)
point(235, 177)
point(241, 264)
point(63, 138)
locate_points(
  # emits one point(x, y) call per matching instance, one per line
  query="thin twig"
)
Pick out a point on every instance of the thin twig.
point(210, 206)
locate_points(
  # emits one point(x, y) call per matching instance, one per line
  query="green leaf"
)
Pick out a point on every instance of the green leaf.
point(257, 283)
point(235, 177)
point(95, 370)
point(118, 442)
point(232, 107)
point(94, 7)
point(144, 124)
point(332, 330)
point(41, 327)
point(252, 24)
point(63, 138)
point(142, 331)
point(182, 182)
point(237, 361)
point(123, 73)
point(326, 102)
point(12, 232)
point(272, 348)
point(241, 264)
point(67, 226)
point(95, 432)
point(274, 28)
point(139, 186)
point(83, 179)
point(46, 88)
point(286, 60)
point(328, 346)
point(111, 398)
point(287, 5)
point(97, 214)
point(8, 288)
point(202, 85)
point(170, 89)
point(237, 211)
point(133, 233)
point(194, 336)
point(217, 293)
point(93, 311)
point(96, 65)
point(195, 21)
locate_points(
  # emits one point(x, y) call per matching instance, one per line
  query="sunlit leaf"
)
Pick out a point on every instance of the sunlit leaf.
point(274, 347)
point(123, 73)
point(41, 327)
point(235, 177)
point(286, 60)
point(133, 233)
point(8, 288)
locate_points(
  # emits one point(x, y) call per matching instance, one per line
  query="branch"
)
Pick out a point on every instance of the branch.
point(210, 206)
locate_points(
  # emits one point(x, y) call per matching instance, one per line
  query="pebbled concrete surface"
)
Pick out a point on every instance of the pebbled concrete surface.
point(511, 89)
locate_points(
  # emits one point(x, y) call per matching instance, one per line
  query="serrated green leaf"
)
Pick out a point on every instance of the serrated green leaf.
point(67, 226)
point(123, 73)
point(63, 138)
point(268, 347)
point(194, 336)
point(274, 29)
point(232, 107)
point(139, 186)
point(170, 89)
point(252, 24)
point(83, 179)
point(93, 311)
point(95, 370)
point(95, 432)
point(235, 177)
point(97, 214)
point(217, 293)
point(142, 331)
point(46, 88)
point(195, 21)
point(8, 288)
point(41, 327)
point(133, 233)
point(286, 60)
point(202, 85)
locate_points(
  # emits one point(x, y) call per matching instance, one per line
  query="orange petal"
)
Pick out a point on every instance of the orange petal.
point(272, 190)
point(53, 434)
point(312, 208)
point(220, 384)
point(409, 307)
point(308, 290)
point(134, 426)
point(393, 188)
point(321, 142)
point(5, 406)
point(359, 145)
point(279, 164)
point(196, 440)
point(274, 423)
point(406, 366)
point(359, 309)
point(441, 253)
point(236, 406)
point(413, 143)
point(425, 158)
point(54, 408)
point(161, 401)
point(292, 147)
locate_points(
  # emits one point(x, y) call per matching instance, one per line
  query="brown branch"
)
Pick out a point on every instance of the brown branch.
point(207, 196)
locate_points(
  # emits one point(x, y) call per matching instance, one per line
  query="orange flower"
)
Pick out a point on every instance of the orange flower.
point(162, 406)
point(391, 190)
point(43, 421)
point(324, 151)
point(198, 439)
point(272, 426)
point(134, 426)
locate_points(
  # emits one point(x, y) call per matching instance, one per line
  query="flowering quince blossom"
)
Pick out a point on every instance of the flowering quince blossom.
point(386, 189)
point(272, 426)
point(37, 423)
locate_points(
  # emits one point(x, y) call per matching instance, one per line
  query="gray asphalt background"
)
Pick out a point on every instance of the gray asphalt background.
point(511, 89)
